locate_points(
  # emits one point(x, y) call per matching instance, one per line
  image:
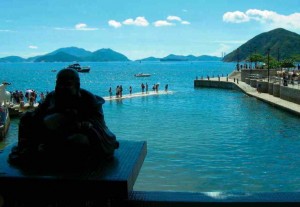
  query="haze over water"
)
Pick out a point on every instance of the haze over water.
point(198, 139)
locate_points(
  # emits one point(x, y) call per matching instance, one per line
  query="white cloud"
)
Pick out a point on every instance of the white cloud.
point(174, 18)
point(162, 23)
point(265, 17)
point(77, 27)
point(142, 22)
point(32, 47)
point(139, 21)
point(235, 17)
point(61, 28)
point(185, 22)
point(114, 23)
point(5, 30)
point(84, 27)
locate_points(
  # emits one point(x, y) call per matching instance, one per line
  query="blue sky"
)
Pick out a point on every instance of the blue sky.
point(140, 28)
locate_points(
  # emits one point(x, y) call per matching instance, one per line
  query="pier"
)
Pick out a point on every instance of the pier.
point(273, 93)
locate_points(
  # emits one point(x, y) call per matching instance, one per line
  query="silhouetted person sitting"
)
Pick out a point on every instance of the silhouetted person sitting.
point(67, 128)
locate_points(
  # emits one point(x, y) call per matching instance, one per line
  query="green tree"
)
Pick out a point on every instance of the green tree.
point(272, 61)
point(288, 63)
point(255, 58)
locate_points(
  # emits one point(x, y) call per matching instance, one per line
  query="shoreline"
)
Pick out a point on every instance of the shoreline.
point(250, 91)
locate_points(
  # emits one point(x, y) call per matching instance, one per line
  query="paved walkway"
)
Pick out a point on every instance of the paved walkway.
point(275, 101)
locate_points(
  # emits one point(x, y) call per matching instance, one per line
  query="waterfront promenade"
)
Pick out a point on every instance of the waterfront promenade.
point(234, 79)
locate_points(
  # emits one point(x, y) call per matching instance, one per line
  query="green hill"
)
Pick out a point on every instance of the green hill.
point(75, 51)
point(104, 55)
point(71, 54)
point(190, 58)
point(282, 43)
point(58, 57)
point(12, 59)
point(149, 59)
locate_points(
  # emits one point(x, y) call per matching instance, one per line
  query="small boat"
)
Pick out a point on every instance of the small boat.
point(78, 68)
point(4, 113)
point(142, 75)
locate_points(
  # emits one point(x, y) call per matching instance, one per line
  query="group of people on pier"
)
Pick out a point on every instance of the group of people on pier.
point(144, 88)
point(30, 96)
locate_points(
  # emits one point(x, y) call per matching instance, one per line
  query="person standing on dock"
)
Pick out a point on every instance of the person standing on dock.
point(117, 91)
point(146, 87)
point(143, 87)
point(130, 90)
point(121, 90)
point(110, 92)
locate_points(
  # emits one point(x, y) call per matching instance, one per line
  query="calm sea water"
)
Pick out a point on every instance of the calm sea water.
point(198, 139)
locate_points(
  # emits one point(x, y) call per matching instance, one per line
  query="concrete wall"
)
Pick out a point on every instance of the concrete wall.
point(290, 94)
point(285, 93)
point(253, 83)
point(276, 90)
point(247, 80)
point(262, 86)
point(215, 84)
point(270, 88)
point(264, 72)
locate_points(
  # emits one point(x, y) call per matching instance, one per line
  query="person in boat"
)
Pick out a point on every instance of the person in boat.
point(68, 126)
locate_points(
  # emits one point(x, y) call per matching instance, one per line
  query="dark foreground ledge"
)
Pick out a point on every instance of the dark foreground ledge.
point(211, 199)
point(111, 184)
point(112, 180)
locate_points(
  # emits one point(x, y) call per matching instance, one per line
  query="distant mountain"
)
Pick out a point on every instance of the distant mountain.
point(70, 54)
point(105, 55)
point(190, 58)
point(58, 57)
point(32, 59)
point(208, 58)
point(12, 59)
point(150, 59)
point(172, 57)
point(75, 51)
point(280, 42)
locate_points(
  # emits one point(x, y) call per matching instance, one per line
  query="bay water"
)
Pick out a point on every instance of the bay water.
point(198, 139)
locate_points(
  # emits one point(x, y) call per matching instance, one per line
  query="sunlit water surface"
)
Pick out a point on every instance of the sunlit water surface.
point(198, 139)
